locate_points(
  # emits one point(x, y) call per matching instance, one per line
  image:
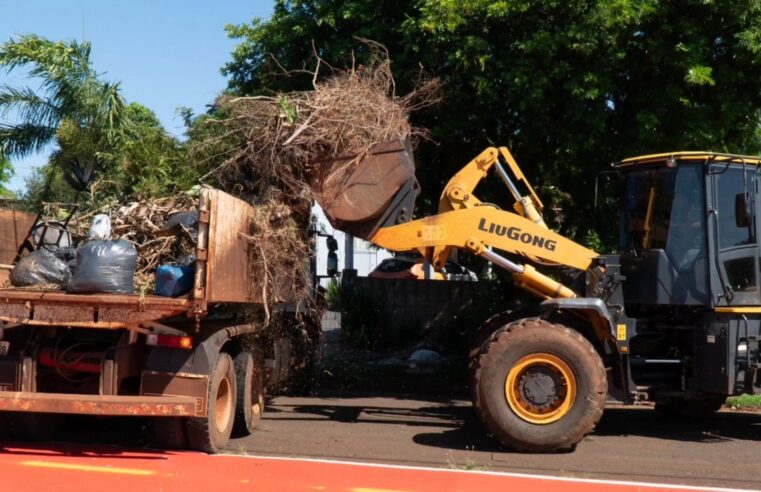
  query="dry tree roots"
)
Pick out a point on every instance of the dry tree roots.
point(286, 140)
point(284, 143)
point(279, 255)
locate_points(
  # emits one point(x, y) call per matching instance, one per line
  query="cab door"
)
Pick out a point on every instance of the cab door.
point(732, 228)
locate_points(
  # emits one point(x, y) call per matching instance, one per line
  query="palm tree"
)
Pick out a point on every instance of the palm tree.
point(6, 171)
point(71, 98)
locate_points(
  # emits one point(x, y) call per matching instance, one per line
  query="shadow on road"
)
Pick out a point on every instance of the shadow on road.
point(644, 422)
point(90, 450)
point(91, 436)
point(422, 417)
point(723, 426)
point(447, 425)
point(456, 427)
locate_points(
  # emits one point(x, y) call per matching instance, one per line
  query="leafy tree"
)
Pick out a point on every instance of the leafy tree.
point(73, 108)
point(47, 184)
point(6, 172)
point(69, 89)
point(296, 27)
point(144, 160)
point(569, 86)
point(141, 160)
point(121, 148)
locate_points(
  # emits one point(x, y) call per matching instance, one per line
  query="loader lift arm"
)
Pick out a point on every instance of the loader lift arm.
point(464, 222)
point(538, 383)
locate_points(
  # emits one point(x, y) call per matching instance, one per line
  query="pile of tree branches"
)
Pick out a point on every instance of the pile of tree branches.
point(285, 142)
point(143, 223)
point(285, 139)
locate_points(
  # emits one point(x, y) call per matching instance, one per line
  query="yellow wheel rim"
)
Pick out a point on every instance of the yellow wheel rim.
point(540, 388)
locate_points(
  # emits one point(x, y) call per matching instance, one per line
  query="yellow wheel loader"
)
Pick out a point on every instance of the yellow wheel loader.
point(674, 318)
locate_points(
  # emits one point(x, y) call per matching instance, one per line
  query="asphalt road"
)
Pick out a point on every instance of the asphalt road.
point(630, 444)
point(634, 444)
point(80, 468)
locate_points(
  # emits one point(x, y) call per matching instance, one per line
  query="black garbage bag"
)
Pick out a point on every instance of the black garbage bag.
point(66, 254)
point(40, 268)
point(105, 266)
point(183, 221)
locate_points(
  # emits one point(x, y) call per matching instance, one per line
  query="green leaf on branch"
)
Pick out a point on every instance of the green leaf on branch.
point(699, 75)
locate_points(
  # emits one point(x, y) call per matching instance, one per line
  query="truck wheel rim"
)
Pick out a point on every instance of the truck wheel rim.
point(223, 405)
point(257, 395)
point(540, 388)
point(257, 404)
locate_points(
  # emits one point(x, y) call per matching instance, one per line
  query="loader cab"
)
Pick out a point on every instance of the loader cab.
point(688, 231)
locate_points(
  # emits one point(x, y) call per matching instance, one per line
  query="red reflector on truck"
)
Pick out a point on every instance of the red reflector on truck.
point(70, 360)
point(169, 341)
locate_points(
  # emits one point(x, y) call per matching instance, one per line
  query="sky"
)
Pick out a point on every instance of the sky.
point(166, 53)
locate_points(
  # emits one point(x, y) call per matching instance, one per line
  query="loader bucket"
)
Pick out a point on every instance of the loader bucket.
point(378, 191)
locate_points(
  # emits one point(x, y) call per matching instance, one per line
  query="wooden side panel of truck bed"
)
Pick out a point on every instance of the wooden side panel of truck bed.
point(14, 226)
point(228, 275)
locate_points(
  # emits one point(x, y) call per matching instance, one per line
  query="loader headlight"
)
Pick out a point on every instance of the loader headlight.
point(742, 349)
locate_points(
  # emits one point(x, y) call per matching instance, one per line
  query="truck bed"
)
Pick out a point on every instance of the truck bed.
point(222, 276)
point(50, 308)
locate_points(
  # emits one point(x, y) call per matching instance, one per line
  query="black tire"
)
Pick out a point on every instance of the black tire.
point(169, 433)
point(211, 434)
point(488, 329)
point(485, 332)
point(701, 408)
point(249, 405)
point(581, 395)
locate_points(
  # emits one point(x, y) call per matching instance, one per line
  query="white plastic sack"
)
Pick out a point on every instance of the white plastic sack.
point(100, 230)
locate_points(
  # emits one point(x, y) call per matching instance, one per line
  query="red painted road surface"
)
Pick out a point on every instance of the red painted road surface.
point(54, 468)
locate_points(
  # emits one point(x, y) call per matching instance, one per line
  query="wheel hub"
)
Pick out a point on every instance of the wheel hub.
point(540, 388)
point(223, 405)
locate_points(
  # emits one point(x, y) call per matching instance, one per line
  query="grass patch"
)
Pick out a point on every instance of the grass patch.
point(469, 465)
point(745, 401)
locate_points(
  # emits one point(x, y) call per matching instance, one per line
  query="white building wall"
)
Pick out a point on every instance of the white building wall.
point(366, 257)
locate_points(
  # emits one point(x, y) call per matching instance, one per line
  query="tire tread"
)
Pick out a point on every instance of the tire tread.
point(498, 343)
point(200, 431)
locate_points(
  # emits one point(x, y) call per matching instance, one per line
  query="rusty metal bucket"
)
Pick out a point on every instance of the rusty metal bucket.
point(379, 191)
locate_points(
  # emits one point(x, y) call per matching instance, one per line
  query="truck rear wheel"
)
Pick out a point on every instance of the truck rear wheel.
point(249, 406)
point(539, 387)
point(212, 433)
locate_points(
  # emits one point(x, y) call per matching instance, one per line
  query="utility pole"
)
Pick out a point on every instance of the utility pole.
point(348, 252)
